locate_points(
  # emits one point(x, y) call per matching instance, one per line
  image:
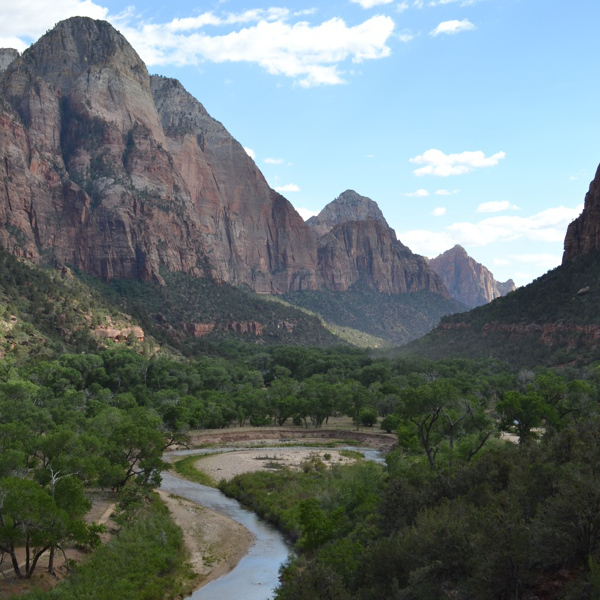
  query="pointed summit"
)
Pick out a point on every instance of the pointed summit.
point(467, 280)
point(347, 207)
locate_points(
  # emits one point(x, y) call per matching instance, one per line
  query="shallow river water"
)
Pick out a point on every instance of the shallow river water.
point(256, 576)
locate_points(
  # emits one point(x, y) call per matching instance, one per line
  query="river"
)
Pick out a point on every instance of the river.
point(256, 576)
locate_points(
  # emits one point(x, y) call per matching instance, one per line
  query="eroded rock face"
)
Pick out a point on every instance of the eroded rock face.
point(7, 55)
point(467, 280)
point(122, 174)
point(348, 206)
point(583, 234)
point(356, 244)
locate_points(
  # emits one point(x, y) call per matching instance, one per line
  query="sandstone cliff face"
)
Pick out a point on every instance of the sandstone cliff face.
point(356, 244)
point(122, 174)
point(583, 234)
point(348, 206)
point(467, 280)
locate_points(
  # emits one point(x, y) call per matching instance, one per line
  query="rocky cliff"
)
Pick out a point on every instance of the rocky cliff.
point(583, 234)
point(355, 244)
point(122, 174)
point(467, 280)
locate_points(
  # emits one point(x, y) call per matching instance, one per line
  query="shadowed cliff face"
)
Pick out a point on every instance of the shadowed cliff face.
point(583, 234)
point(122, 174)
point(467, 280)
point(356, 244)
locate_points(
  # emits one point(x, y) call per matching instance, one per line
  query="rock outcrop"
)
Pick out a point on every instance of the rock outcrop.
point(7, 55)
point(467, 280)
point(348, 206)
point(121, 174)
point(583, 234)
point(356, 244)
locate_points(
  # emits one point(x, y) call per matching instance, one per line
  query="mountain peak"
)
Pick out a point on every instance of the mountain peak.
point(347, 207)
point(467, 280)
point(77, 44)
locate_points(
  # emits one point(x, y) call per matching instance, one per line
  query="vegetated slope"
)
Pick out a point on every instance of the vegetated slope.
point(396, 318)
point(552, 321)
point(192, 313)
point(45, 312)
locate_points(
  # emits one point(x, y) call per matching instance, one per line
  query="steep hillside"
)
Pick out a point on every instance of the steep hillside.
point(467, 280)
point(392, 317)
point(552, 321)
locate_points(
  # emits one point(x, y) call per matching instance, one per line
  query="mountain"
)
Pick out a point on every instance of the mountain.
point(552, 321)
point(467, 280)
point(125, 176)
point(373, 282)
point(355, 244)
point(122, 174)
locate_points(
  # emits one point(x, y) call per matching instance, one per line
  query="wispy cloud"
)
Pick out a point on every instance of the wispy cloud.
point(546, 226)
point(443, 165)
point(274, 161)
point(274, 39)
point(439, 211)
point(452, 27)
point(445, 192)
point(406, 36)
point(499, 206)
point(418, 194)
point(371, 3)
point(287, 188)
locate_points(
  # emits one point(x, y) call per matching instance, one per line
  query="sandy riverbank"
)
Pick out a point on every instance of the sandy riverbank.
point(214, 542)
point(229, 464)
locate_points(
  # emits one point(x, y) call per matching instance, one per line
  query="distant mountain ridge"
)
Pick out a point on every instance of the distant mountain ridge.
point(467, 280)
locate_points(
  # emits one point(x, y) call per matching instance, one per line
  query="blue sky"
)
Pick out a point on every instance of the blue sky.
point(468, 121)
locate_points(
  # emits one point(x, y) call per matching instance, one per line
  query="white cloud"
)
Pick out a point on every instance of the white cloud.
point(452, 27)
point(371, 3)
point(27, 20)
point(406, 36)
point(462, 2)
point(250, 153)
point(445, 192)
point(306, 214)
point(443, 165)
point(499, 206)
point(402, 6)
point(288, 187)
point(501, 262)
point(545, 260)
point(439, 211)
point(547, 226)
point(274, 161)
point(309, 54)
point(418, 194)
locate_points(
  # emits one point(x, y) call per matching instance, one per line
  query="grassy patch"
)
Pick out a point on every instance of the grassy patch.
point(186, 467)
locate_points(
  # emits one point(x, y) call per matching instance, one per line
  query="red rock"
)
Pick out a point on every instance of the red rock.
point(467, 280)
